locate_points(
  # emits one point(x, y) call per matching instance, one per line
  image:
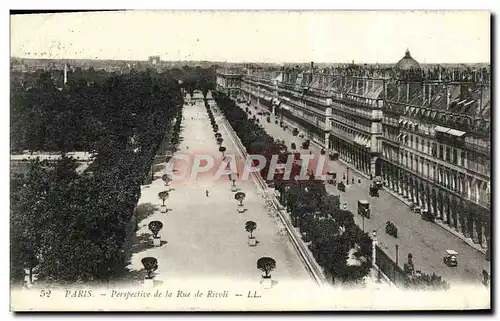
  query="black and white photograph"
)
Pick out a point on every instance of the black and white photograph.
point(166, 160)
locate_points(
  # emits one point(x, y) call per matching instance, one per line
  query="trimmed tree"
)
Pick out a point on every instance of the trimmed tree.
point(240, 196)
point(250, 226)
point(266, 265)
point(222, 149)
point(155, 227)
point(151, 265)
point(166, 179)
point(163, 197)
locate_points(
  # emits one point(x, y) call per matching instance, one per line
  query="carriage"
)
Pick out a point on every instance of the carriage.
point(450, 258)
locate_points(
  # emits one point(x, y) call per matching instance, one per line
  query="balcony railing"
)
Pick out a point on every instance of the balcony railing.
point(434, 178)
point(479, 148)
point(353, 111)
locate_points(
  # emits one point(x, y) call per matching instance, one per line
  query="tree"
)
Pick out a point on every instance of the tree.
point(166, 179)
point(220, 141)
point(163, 196)
point(427, 282)
point(239, 196)
point(222, 149)
point(250, 226)
point(155, 227)
point(266, 265)
point(151, 265)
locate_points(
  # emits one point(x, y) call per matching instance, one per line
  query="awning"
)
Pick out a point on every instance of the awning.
point(427, 113)
point(455, 132)
point(368, 143)
point(441, 129)
point(433, 114)
point(399, 136)
point(400, 121)
point(411, 110)
point(405, 122)
point(404, 137)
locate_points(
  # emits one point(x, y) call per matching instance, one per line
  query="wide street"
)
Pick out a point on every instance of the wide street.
point(205, 235)
point(426, 241)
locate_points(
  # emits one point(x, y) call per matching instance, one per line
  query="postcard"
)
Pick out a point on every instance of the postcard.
point(250, 161)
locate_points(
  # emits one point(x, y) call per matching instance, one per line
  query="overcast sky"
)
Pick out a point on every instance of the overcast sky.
point(265, 36)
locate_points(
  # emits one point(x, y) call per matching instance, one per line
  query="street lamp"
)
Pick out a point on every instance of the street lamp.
point(397, 254)
point(374, 251)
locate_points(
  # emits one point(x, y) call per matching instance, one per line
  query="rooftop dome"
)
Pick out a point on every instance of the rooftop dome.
point(407, 62)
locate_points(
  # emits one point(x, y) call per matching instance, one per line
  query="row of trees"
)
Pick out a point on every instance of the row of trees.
point(47, 115)
point(197, 78)
point(73, 228)
point(253, 136)
point(337, 243)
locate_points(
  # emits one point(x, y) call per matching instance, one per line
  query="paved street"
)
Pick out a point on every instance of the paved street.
point(205, 236)
point(426, 241)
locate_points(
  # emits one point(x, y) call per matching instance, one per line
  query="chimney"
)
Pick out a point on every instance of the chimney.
point(312, 65)
point(423, 94)
point(448, 96)
point(430, 93)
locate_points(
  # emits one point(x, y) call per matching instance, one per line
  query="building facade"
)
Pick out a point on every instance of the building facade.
point(425, 133)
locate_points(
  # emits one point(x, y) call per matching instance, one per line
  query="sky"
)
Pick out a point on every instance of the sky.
point(256, 36)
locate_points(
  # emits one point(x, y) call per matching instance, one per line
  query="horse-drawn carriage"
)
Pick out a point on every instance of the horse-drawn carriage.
point(391, 229)
point(428, 216)
point(373, 190)
point(331, 177)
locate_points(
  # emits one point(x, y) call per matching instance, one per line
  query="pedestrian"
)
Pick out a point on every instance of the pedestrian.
point(359, 180)
point(352, 180)
point(206, 192)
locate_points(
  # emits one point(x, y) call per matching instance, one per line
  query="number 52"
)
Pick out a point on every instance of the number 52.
point(45, 294)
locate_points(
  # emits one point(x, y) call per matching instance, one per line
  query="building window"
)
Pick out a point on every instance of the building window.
point(448, 154)
point(455, 156)
point(434, 149)
point(441, 152)
point(416, 143)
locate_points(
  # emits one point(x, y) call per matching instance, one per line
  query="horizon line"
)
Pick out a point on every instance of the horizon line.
point(253, 62)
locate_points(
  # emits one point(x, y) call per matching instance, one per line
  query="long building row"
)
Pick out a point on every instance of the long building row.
point(427, 137)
